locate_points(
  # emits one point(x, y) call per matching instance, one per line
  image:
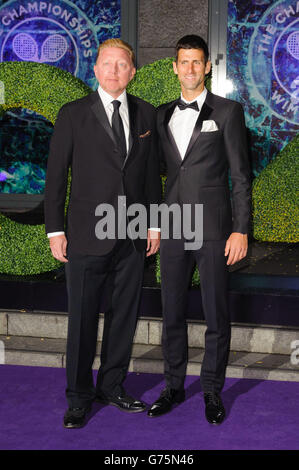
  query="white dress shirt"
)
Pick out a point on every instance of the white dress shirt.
point(124, 114)
point(123, 110)
point(182, 123)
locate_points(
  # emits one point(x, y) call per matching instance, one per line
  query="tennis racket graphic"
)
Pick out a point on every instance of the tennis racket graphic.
point(53, 48)
point(26, 48)
point(293, 44)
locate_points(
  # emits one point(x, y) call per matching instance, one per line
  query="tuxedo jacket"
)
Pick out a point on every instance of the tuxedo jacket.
point(84, 142)
point(201, 177)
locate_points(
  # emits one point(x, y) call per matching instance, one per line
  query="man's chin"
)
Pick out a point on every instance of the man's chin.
point(191, 86)
point(113, 90)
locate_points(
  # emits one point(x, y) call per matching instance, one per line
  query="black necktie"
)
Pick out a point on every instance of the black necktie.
point(118, 129)
point(182, 105)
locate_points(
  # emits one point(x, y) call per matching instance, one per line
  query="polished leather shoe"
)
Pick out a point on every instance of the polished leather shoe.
point(75, 417)
point(215, 411)
point(124, 402)
point(165, 402)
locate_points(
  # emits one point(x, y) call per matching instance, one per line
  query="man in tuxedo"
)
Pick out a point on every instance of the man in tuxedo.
point(202, 139)
point(108, 140)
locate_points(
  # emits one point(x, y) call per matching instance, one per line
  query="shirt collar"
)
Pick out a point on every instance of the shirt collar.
point(200, 99)
point(107, 99)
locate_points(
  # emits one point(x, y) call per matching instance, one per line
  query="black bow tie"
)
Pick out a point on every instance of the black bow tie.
point(182, 105)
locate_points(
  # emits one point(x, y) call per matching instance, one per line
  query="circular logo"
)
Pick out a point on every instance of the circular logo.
point(274, 59)
point(41, 40)
point(55, 33)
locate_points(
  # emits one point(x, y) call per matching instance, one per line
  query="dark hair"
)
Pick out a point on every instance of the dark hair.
point(192, 42)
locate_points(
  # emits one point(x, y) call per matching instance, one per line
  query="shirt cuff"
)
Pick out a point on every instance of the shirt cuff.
point(155, 229)
point(54, 234)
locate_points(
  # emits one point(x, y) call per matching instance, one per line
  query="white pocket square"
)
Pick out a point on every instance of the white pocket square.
point(209, 126)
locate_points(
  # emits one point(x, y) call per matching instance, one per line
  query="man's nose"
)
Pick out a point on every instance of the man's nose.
point(114, 68)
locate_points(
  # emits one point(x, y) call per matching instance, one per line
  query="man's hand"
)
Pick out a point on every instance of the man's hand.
point(153, 242)
point(236, 247)
point(58, 247)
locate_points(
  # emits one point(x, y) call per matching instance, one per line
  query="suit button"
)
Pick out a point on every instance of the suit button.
point(183, 168)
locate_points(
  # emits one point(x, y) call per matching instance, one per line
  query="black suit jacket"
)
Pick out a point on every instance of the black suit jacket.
point(83, 141)
point(202, 176)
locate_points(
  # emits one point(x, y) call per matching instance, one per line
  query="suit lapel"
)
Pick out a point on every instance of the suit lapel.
point(203, 116)
point(100, 113)
point(168, 114)
point(206, 110)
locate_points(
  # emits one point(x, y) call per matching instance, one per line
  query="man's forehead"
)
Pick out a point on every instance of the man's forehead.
point(114, 52)
point(191, 53)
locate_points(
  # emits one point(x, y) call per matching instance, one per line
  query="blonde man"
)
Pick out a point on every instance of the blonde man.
point(108, 139)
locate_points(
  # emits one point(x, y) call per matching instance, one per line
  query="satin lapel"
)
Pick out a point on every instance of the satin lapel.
point(203, 116)
point(168, 114)
point(100, 113)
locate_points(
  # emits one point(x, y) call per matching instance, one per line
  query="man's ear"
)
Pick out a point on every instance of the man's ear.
point(208, 67)
point(133, 73)
point(175, 68)
point(94, 70)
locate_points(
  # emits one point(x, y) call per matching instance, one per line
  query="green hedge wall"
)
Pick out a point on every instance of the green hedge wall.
point(275, 197)
point(24, 249)
point(39, 87)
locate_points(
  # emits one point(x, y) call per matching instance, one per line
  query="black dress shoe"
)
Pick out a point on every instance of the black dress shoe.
point(165, 402)
point(215, 411)
point(124, 402)
point(75, 417)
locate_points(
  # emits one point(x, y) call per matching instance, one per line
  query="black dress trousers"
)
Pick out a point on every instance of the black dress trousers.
point(176, 269)
point(121, 270)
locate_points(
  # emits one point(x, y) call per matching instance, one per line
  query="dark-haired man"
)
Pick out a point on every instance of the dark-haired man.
point(203, 137)
point(108, 139)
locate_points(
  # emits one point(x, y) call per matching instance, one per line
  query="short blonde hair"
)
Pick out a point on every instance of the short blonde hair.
point(117, 42)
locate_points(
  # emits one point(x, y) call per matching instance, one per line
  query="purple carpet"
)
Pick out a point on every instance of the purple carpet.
point(260, 415)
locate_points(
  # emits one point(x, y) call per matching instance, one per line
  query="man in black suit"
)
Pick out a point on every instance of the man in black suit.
point(108, 139)
point(202, 137)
